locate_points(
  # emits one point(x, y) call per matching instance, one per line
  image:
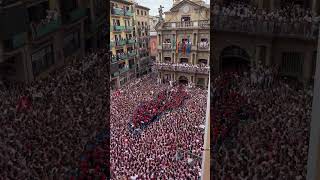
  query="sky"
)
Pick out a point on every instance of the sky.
point(155, 4)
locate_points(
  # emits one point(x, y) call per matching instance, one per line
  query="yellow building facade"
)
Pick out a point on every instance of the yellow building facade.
point(142, 30)
point(122, 43)
point(183, 43)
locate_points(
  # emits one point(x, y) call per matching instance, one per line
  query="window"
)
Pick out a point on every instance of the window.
point(145, 13)
point(138, 23)
point(142, 23)
point(42, 60)
point(138, 11)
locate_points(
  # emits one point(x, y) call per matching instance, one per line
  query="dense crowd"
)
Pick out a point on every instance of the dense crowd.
point(46, 124)
point(287, 19)
point(260, 128)
point(168, 148)
point(165, 101)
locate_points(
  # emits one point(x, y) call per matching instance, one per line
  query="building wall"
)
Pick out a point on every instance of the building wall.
point(170, 30)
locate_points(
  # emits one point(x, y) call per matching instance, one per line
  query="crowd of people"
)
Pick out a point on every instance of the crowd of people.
point(46, 124)
point(165, 101)
point(183, 67)
point(290, 18)
point(260, 127)
point(170, 148)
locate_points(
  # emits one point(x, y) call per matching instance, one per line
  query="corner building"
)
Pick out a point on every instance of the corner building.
point(187, 21)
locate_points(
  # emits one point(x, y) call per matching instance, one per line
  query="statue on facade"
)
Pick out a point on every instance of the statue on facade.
point(160, 13)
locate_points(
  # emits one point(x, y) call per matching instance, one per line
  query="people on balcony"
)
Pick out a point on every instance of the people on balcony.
point(183, 67)
point(204, 44)
point(246, 17)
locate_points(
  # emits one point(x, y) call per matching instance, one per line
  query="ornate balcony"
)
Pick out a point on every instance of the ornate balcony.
point(187, 24)
point(183, 68)
point(253, 26)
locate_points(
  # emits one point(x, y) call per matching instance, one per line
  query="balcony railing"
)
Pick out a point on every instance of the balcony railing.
point(114, 59)
point(43, 29)
point(183, 68)
point(187, 24)
point(128, 13)
point(132, 54)
point(117, 11)
point(75, 15)
point(121, 42)
point(128, 28)
point(123, 56)
point(131, 41)
point(118, 28)
point(123, 70)
point(168, 46)
point(303, 30)
point(204, 46)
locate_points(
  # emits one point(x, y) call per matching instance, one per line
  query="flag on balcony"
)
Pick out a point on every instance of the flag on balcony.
point(188, 47)
point(177, 44)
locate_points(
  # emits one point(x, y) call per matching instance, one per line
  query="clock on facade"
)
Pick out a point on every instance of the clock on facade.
point(186, 9)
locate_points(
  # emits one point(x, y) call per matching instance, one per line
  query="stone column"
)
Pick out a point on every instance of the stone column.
point(272, 4)
point(315, 6)
point(313, 167)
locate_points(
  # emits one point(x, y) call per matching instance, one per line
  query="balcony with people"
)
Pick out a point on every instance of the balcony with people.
point(294, 22)
point(204, 45)
point(183, 67)
point(168, 45)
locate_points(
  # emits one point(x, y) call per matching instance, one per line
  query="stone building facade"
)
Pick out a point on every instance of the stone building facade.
point(183, 43)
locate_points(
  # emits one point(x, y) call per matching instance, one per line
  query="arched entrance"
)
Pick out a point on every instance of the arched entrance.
point(183, 80)
point(235, 59)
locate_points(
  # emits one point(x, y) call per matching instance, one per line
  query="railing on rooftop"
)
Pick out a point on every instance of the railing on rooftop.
point(297, 29)
point(187, 24)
